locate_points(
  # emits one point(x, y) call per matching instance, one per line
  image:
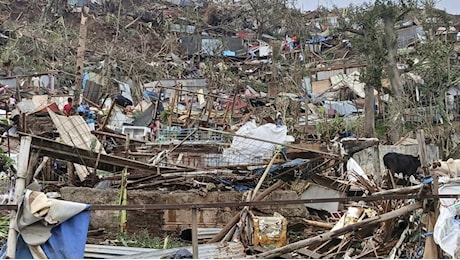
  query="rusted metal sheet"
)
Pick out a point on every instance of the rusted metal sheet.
point(270, 231)
point(228, 250)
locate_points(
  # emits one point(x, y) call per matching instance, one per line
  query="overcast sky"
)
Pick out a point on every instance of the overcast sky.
point(451, 6)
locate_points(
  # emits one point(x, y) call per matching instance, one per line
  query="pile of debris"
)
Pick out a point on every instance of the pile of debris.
point(189, 105)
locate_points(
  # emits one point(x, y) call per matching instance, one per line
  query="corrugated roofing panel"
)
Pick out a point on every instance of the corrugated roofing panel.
point(205, 251)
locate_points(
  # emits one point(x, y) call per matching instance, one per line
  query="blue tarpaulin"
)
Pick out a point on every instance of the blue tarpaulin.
point(317, 39)
point(234, 185)
point(279, 167)
point(150, 94)
point(229, 53)
point(67, 240)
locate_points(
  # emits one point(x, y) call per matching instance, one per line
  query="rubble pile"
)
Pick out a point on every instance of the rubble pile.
point(194, 97)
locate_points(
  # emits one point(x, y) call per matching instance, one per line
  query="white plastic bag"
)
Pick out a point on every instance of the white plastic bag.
point(447, 229)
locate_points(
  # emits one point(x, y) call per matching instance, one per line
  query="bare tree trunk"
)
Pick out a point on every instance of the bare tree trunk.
point(80, 55)
point(396, 107)
point(369, 115)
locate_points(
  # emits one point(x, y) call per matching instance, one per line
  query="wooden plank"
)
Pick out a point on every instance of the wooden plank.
point(119, 136)
point(62, 151)
point(320, 86)
point(195, 233)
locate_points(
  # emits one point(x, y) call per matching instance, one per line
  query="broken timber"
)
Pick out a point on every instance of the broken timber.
point(88, 158)
point(338, 232)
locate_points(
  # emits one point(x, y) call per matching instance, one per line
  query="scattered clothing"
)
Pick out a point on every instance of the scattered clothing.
point(68, 109)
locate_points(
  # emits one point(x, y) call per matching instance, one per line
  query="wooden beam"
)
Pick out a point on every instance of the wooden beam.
point(195, 233)
point(120, 136)
point(106, 119)
point(62, 151)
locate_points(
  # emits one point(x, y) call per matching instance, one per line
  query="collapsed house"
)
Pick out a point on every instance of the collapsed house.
point(227, 168)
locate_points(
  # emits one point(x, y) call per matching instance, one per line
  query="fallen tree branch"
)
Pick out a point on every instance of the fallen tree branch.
point(318, 224)
point(403, 190)
point(400, 242)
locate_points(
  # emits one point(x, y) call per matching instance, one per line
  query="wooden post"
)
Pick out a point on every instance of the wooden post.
point(422, 151)
point(209, 106)
point(195, 232)
point(264, 175)
point(81, 54)
point(224, 120)
point(233, 108)
point(425, 165)
point(20, 186)
point(127, 146)
point(106, 120)
point(70, 173)
point(189, 111)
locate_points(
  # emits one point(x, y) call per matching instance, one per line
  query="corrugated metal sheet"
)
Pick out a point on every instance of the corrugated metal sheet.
point(182, 28)
point(228, 250)
point(322, 75)
point(106, 252)
point(211, 47)
point(74, 131)
point(188, 84)
point(191, 44)
point(174, 82)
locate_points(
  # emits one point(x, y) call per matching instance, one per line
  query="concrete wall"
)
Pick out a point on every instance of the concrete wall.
point(371, 159)
point(159, 220)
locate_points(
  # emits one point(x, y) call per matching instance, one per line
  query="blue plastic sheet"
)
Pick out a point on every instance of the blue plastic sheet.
point(280, 167)
point(67, 240)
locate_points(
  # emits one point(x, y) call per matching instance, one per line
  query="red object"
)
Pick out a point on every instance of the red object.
point(53, 107)
point(243, 35)
point(67, 108)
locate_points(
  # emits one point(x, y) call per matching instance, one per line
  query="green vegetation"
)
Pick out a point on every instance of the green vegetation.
point(4, 226)
point(5, 161)
point(380, 129)
point(144, 239)
point(329, 128)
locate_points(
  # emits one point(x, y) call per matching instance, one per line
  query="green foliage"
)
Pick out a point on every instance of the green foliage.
point(380, 129)
point(4, 226)
point(259, 86)
point(368, 38)
point(164, 115)
point(5, 161)
point(329, 128)
point(434, 60)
